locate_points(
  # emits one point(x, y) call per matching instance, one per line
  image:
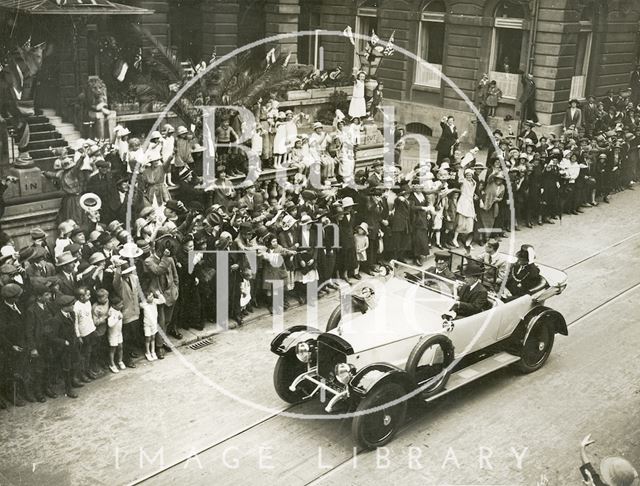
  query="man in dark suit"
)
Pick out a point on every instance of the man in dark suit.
point(13, 341)
point(66, 273)
point(374, 213)
point(472, 297)
point(42, 368)
point(448, 139)
point(65, 346)
point(101, 183)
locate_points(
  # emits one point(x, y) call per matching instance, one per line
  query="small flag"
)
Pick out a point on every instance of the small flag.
point(271, 57)
point(214, 56)
point(390, 49)
point(137, 62)
point(348, 33)
point(374, 38)
point(120, 72)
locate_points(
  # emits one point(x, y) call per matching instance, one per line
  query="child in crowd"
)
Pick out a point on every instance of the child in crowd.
point(245, 292)
point(150, 323)
point(494, 94)
point(85, 330)
point(114, 334)
point(100, 312)
point(362, 244)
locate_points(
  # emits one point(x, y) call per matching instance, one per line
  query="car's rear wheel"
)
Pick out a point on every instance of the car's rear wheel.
point(537, 347)
point(377, 428)
point(428, 363)
point(287, 369)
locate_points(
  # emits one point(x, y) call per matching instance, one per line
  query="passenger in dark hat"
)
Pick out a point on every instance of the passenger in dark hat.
point(441, 267)
point(472, 296)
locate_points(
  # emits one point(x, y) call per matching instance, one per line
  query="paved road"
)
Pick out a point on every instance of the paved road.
point(128, 426)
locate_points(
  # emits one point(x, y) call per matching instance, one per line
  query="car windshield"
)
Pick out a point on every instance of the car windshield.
point(489, 272)
point(425, 279)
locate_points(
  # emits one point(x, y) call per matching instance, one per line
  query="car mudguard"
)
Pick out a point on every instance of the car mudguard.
point(373, 375)
point(537, 314)
point(288, 339)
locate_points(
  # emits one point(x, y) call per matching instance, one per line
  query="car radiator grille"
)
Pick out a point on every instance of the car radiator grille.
point(328, 358)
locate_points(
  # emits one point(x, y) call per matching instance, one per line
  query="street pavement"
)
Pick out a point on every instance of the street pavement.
point(503, 429)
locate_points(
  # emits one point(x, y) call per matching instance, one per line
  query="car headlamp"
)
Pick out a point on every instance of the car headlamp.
point(303, 352)
point(344, 373)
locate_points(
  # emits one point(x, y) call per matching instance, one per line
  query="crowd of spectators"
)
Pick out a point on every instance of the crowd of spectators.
point(122, 266)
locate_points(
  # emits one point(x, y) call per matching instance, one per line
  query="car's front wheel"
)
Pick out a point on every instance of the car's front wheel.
point(537, 347)
point(287, 369)
point(377, 428)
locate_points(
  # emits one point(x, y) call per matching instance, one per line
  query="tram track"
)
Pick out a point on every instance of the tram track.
point(325, 474)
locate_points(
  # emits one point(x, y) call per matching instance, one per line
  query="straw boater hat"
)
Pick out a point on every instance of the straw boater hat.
point(317, 125)
point(130, 250)
point(90, 202)
point(347, 202)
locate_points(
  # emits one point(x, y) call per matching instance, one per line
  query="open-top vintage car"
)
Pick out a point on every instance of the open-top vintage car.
point(384, 347)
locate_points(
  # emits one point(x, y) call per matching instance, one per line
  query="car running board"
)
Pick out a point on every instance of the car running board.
point(476, 371)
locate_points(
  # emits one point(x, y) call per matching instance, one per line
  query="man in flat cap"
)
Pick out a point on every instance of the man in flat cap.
point(65, 346)
point(37, 314)
point(13, 341)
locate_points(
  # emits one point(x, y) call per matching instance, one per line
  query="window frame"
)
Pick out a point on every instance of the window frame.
point(510, 23)
point(578, 89)
point(427, 17)
point(362, 12)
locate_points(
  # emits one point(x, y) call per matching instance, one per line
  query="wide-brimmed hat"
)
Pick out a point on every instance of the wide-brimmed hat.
point(364, 227)
point(317, 125)
point(347, 202)
point(65, 258)
point(618, 471)
point(185, 173)
point(154, 135)
point(182, 130)
point(97, 257)
point(37, 233)
point(90, 202)
point(130, 250)
point(472, 269)
point(167, 127)
point(197, 148)
point(305, 219)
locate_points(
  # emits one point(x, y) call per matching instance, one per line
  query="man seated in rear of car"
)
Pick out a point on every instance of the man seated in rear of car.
point(472, 296)
point(524, 274)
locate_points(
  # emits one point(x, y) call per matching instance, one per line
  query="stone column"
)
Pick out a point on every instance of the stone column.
point(282, 17)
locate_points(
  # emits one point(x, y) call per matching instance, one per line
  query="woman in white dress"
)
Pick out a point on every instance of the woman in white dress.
point(280, 141)
point(466, 209)
point(358, 105)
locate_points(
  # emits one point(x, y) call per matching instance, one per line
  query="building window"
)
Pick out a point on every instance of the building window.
point(309, 45)
point(506, 47)
point(431, 44)
point(366, 24)
point(583, 55)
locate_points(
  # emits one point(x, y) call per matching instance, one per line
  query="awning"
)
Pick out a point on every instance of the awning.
point(71, 7)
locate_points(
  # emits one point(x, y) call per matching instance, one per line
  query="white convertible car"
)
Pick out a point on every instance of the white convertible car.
point(390, 341)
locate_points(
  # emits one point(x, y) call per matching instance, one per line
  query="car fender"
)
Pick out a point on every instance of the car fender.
point(543, 313)
point(289, 339)
point(374, 375)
